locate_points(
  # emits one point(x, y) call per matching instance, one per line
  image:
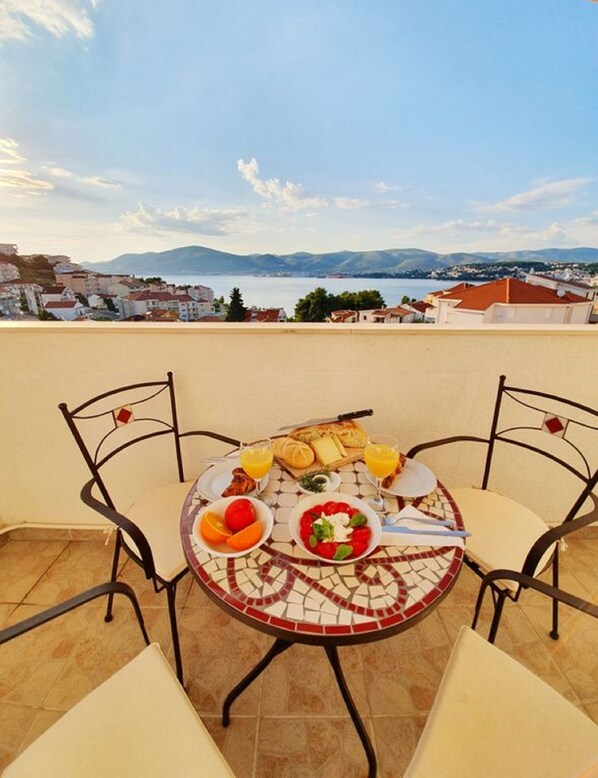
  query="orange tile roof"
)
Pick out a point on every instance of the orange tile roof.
point(457, 288)
point(509, 290)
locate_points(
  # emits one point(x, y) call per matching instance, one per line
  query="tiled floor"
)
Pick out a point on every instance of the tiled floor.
point(292, 721)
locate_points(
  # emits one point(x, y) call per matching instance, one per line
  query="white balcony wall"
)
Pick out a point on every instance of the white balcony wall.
point(423, 382)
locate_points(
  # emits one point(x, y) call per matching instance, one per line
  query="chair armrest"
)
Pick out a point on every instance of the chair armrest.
point(123, 523)
point(529, 582)
point(112, 587)
point(443, 442)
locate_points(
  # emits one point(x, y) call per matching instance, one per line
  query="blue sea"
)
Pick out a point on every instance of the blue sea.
point(276, 292)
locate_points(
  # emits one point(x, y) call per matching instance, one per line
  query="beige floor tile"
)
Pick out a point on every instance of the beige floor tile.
point(5, 610)
point(310, 748)
point(22, 563)
point(217, 653)
point(237, 742)
point(396, 739)
point(301, 681)
point(79, 567)
point(15, 720)
point(132, 573)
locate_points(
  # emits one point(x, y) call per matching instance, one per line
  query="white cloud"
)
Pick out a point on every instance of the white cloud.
point(550, 195)
point(554, 235)
point(202, 221)
point(20, 18)
point(587, 221)
point(21, 179)
point(350, 203)
point(59, 172)
point(383, 187)
point(396, 204)
point(8, 148)
point(291, 197)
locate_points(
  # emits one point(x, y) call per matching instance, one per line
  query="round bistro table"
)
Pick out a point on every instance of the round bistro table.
point(279, 590)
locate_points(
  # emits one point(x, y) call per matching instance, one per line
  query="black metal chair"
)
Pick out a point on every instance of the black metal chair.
point(148, 529)
point(137, 722)
point(507, 535)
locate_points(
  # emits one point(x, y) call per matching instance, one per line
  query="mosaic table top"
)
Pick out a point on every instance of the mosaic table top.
point(278, 589)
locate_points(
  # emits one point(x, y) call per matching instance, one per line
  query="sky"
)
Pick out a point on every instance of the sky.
point(257, 126)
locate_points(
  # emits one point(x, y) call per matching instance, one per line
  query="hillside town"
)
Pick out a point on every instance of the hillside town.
point(51, 287)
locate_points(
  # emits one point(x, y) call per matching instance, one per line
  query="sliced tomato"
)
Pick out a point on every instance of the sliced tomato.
point(361, 535)
point(342, 507)
point(359, 548)
point(331, 507)
point(326, 550)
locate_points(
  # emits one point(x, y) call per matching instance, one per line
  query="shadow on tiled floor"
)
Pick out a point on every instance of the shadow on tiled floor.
point(292, 721)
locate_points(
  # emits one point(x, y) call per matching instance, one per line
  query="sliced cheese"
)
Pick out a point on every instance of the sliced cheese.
point(339, 445)
point(326, 450)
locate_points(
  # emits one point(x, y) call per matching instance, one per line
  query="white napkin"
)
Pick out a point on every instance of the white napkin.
point(402, 540)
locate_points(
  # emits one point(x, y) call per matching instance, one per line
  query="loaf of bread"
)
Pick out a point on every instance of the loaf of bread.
point(294, 452)
point(348, 432)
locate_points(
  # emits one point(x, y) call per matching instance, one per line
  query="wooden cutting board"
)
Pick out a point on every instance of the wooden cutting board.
point(353, 455)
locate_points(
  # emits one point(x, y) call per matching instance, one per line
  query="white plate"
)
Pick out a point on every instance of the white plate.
point(415, 480)
point(354, 502)
point(264, 516)
point(334, 481)
point(213, 481)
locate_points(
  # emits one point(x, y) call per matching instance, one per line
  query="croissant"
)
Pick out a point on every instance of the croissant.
point(387, 482)
point(241, 484)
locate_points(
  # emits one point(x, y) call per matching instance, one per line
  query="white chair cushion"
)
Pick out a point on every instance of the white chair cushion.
point(503, 531)
point(494, 718)
point(137, 723)
point(158, 516)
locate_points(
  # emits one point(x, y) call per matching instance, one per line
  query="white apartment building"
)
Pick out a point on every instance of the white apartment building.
point(67, 310)
point(511, 301)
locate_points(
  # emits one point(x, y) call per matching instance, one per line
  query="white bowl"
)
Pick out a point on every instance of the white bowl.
point(263, 515)
point(333, 481)
point(319, 499)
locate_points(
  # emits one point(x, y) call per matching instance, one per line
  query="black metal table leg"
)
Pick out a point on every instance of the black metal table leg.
point(277, 648)
point(332, 654)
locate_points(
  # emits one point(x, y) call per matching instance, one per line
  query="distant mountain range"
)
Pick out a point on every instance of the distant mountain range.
point(200, 260)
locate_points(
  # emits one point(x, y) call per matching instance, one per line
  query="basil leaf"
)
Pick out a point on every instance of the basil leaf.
point(358, 520)
point(323, 529)
point(342, 552)
point(313, 541)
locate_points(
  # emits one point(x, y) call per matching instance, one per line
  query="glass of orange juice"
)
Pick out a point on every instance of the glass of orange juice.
point(256, 460)
point(381, 457)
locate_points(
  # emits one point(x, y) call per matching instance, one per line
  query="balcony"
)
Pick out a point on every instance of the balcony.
point(247, 380)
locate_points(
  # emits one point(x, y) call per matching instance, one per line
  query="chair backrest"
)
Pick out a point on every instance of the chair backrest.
point(113, 421)
point(562, 431)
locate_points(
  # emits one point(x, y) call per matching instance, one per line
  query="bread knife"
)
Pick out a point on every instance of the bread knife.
point(328, 419)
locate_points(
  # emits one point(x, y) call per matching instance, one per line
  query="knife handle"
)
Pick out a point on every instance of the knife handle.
point(355, 414)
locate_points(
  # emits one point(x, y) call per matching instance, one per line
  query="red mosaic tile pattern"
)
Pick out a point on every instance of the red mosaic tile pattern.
point(280, 588)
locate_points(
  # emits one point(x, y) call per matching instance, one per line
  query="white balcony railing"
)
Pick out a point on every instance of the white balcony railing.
point(246, 380)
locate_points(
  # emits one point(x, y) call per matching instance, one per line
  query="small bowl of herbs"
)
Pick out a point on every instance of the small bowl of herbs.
point(318, 482)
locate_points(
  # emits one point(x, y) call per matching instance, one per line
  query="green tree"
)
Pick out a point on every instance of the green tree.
point(405, 299)
point(319, 304)
point(152, 280)
point(44, 315)
point(315, 306)
point(110, 304)
point(236, 309)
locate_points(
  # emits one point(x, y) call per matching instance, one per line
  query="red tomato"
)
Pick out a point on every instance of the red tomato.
point(330, 508)
point(358, 548)
point(326, 550)
point(361, 535)
point(342, 507)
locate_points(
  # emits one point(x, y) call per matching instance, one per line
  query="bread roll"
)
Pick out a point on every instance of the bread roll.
point(296, 454)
